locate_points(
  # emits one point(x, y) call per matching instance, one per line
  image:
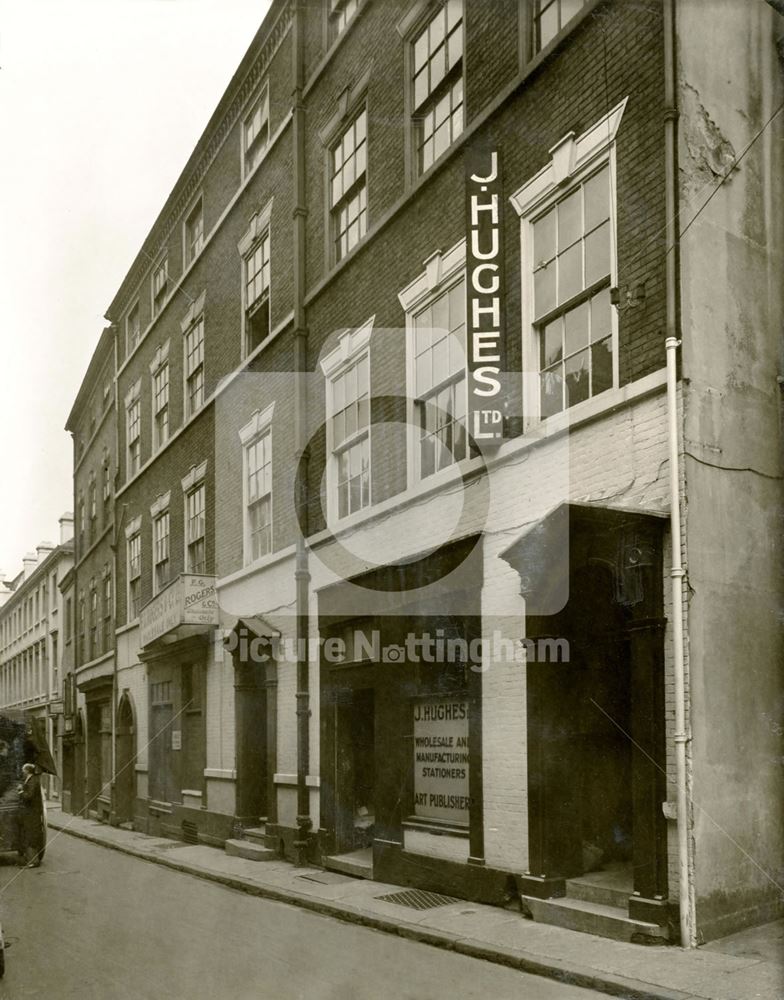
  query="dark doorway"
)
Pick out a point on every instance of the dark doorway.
point(77, 790)
point(596, 717)
point(355, 771)
point(250, 700)
point(125, 776)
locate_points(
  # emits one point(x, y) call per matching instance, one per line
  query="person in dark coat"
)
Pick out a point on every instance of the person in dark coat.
point(31, 845)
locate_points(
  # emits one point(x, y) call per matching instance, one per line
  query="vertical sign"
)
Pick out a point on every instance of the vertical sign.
point(441, 760)
point(484, 295)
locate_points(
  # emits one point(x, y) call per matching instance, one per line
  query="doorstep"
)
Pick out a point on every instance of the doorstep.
point(357, 863)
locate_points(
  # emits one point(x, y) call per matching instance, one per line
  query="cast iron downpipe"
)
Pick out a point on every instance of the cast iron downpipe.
point(301, 571)
point(677, 573)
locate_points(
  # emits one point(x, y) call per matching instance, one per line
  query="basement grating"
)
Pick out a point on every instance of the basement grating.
point(418, 899)
point(190, 832)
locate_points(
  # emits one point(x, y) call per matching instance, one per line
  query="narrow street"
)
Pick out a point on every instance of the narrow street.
point(95, 924)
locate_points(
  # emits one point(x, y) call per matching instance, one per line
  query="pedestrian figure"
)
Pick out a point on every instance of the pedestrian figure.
point(31, 833)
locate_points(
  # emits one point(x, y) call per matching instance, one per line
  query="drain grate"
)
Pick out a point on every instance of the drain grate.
point(418, 899)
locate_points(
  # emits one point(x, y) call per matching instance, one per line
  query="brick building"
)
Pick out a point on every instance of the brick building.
point(31, 639)
point(90, 724)
point(398, 502)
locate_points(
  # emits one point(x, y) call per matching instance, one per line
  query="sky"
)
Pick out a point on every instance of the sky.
point(101, 103)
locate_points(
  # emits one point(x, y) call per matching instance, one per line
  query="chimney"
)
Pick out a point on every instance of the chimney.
point(43, 551)
point(29, 562)
point(66, 528)
point(5, 590)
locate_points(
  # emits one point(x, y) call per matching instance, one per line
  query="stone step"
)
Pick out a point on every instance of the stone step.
point(250, 851)
point(592, 918)
point(256, 834)
point(357, 863)
point(591, 892)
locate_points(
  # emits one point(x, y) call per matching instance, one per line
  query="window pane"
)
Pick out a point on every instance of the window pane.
point(601, 362)
point(544, 290)
point(569, 220)
point(551, 343)
point(576, 329)
point(455, 46)
point(551, 400)
point(548, 24)
point(570, 279)
point(576, 372)
point(597, 253)
point(544, 238)
point(597, 199)
point(568, 9)
point(600, 314)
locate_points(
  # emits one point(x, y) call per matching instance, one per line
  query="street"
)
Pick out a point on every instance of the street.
point(96, 924)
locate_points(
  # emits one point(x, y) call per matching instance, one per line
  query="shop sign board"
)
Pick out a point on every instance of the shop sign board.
point(441, 760)
point(188, 600)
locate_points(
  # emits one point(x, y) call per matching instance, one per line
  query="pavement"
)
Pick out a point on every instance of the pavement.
point(744, 966)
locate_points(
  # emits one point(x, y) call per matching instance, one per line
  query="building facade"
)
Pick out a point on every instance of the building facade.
point(417, 569)
point(32, 614)
point(91, 727)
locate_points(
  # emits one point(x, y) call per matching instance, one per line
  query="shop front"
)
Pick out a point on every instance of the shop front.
point(401, 726)
point(177, 630)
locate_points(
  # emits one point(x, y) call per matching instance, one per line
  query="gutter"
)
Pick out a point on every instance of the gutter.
point(672, 277)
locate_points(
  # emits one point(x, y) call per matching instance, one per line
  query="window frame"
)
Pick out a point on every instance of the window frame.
point(132, 343)
point(158, 364)
point(353, 346)
point(534, 45)
point(133, 540)
point(442, 272)
point(189, 254)
point(257, 427)
point(159, 298)
point(160, 513)
point(259, 229)
point(201, 539)
point(194, 317)
point(259, 100)
point(573, 160)
point(334, 14)
point(411, 28)
point(348, 121)
point(133, 459)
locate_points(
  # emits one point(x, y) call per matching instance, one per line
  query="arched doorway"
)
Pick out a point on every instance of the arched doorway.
point(125, 763)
